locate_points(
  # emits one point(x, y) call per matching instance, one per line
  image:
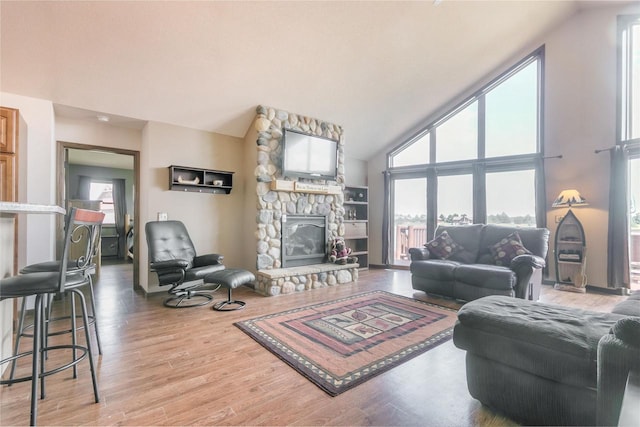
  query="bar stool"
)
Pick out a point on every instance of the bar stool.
point(42, 285)
point(88, 240)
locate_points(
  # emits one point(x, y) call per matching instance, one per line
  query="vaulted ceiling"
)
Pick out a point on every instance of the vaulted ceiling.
point(376, 68)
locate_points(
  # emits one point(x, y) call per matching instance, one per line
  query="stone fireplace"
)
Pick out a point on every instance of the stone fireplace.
point(280, 200)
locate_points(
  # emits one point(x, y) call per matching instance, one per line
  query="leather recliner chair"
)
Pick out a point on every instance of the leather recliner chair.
point(172, 256)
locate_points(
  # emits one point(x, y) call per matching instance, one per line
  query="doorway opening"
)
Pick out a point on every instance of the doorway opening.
point(104, 179)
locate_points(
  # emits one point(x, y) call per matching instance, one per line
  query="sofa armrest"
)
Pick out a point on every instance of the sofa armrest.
point(530, 260)
point(171, 271)
point(629, 411)
point(618, 354)
point(172, 264)
point(208, 259)
point(418, 254)
point(524, 266)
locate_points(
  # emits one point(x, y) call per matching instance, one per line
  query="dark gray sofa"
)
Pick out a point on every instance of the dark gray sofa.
point(543, 364)
point(472, 272)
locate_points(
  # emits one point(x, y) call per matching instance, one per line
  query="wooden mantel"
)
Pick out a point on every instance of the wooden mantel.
point(304, 187)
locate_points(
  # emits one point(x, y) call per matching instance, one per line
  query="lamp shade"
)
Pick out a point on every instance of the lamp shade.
point(569, 198)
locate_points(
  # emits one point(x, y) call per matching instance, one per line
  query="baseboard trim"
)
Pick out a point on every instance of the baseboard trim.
point(609, 291)
point(389, 266)
point(379, 266)
point(595, 288)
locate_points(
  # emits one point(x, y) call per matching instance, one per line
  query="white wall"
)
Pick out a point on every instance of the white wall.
point(355, 171)
point(580, 115)
point(212, 219)
point(37, 153)
point(97, 133)
point(580, 118)
point(248, 217)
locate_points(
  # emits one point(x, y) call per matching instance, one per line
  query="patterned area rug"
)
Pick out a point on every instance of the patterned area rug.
point(340, 344)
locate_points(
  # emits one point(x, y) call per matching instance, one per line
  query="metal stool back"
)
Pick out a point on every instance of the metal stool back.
point(42, 285)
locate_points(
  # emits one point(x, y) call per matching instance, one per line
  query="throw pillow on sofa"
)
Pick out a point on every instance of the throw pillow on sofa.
point(507, 249)
point(443, 246)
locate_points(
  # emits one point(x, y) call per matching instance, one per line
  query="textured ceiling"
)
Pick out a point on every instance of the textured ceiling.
point(376, 68)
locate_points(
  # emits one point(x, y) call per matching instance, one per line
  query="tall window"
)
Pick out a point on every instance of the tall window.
point(103, 191)
point(629, 140)
point(630, 79)
point(415, 154)
point(455, 199)
point(457, 137)
point(477, 163)
point(511, 198)
point(511, 114)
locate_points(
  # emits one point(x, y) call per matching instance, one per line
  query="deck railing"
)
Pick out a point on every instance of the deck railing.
point(409, 236)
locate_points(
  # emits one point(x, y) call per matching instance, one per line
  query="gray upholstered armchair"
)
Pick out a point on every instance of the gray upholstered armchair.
point(173, 258)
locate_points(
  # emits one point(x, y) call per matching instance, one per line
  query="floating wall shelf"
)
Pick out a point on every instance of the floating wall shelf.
point(199, 180)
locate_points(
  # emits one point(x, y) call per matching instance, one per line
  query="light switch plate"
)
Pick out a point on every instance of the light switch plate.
point(163, 216)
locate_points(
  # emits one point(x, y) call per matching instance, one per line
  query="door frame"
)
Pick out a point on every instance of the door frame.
point(61, 188)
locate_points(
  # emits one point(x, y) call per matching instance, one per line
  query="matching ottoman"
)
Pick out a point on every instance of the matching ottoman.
point(534, 362)
point(229, 278)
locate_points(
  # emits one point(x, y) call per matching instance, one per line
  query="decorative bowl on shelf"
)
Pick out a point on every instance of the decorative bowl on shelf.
point(181, 180)
point(218, 183)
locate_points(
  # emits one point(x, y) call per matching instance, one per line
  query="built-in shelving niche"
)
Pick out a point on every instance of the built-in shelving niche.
point(199, 180)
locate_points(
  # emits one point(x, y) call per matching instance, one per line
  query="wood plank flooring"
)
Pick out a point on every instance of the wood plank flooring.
point(163, 366)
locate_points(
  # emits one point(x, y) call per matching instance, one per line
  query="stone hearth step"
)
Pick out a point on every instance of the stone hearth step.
point(294, 279)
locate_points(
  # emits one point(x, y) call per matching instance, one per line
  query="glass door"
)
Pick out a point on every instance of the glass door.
point(409, 226)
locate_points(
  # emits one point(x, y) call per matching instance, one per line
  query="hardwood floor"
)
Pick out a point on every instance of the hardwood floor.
point(163, 366)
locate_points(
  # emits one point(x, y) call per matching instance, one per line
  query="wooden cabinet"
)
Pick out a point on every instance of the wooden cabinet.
point(8, 130)
point(8, 154)
point(8, 176)
point(9, 125)
point(199, 180)
point(570, 255)
point(356, 222)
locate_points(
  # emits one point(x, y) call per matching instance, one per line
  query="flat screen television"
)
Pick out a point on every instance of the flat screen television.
point(309, 156)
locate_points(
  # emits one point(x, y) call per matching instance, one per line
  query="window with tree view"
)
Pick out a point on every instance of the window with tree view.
point(477, 162)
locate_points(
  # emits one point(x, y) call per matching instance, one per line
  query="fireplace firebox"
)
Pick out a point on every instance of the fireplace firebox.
point(304, 240)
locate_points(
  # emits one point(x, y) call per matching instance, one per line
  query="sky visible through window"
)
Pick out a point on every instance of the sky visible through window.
point(457, 138)
point(511, 115)
point(415, 154)
point(511, 129)
point(411, 197)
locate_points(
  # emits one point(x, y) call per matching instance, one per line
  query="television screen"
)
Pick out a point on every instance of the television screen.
point(309, 156)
